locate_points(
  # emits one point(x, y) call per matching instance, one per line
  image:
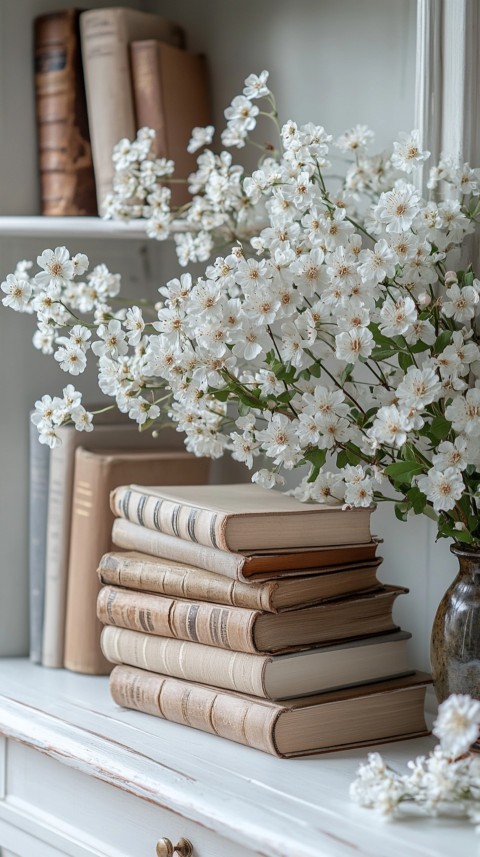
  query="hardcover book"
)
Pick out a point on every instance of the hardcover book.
point(390, 710)
point(143, 573)
point(172, 96)
point(96, 474)
point(240, 517)
point(39, 466)
point(270, 676)
point(243, 630)
point(111, 431)
point(67, 181)
point(243, 566)
point(106, 35)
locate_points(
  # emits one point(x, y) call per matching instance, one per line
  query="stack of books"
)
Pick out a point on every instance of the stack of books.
point(244, 613)
point(100, 75)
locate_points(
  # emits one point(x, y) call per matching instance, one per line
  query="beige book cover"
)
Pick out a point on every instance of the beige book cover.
point(314, 670)
point(96, 474)
point(105, 35)
point(245, 566)
point(240, 516)
point(144, 573)
point(172, 96)
point(354, 717)
point(112, 431)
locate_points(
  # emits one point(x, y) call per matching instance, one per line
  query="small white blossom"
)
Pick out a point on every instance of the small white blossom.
point(457, 724)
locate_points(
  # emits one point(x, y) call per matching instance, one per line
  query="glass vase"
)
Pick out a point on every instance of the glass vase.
point(455, 641)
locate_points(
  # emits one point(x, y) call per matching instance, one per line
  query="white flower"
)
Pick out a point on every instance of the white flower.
point(464, 412)
point(279, 440)
point(356, 139)
point(82, 419)
point(134, 324)
point(407, 153)
point(442, 488)
point(141, 410)
point(58, 268)
point(18, 292)
point(267, 478)
point(457, 724)
point(461, 303)
point(379, 263)
point(71, 358)
point(397, 316)
point(451, 454)
point(200, 137)
point(256, 85)
point(391, 425)
point(242, 113)
point(420, 387)
point(112, 340)
point(397, 208)
point(353, 344)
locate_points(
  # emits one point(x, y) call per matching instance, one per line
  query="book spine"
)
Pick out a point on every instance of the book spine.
point(96, 475)
point(109, 90)
point(190, 661)
point(37, 539)
point(182, 581)
point(131, 536)
point(105, 35)
point(190, 523)
point(210, 624)
point(90, 537)
point(147, 92)
point(65, 160)
point(210, 710)
point(58, 542)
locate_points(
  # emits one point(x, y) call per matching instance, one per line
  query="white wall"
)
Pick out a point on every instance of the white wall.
point(335, 62)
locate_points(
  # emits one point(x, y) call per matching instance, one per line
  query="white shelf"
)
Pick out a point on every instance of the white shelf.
point(73, 227)
point(269, 806)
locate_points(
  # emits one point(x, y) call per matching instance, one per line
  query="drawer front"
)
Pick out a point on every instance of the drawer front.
point(78, 815)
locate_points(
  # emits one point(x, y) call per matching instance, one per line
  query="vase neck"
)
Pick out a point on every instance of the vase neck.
point(469, 561)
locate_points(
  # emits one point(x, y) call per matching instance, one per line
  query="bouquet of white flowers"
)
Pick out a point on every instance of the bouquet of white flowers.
point(331, 332)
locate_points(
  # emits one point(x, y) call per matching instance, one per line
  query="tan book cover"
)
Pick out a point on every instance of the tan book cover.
point(105, 35)
point(246, 566)
point(242, 630)
point(96, 474)
point(138, 571)
point(112, 431)
point(240, 517)
point(314, 670)
point(375, 713)
point(171, 95)
point(67, 181)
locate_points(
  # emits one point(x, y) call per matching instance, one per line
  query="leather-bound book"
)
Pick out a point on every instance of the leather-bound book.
point(106, 35)
point(67, 182)
point(172, 96)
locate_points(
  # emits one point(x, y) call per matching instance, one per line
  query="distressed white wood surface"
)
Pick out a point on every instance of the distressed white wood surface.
point(273, 807)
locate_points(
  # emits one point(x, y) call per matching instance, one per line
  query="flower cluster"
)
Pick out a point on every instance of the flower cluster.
point(332, 332)
point(445, 782)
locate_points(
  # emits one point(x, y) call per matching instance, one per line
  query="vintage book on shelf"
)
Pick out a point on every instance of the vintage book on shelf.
point(133, 570)
point(39, 464)
point(96, 474)
point(67, 182)
point(106, 35)
point(243, 566)
point(244, 516)
point(111, 431)
point(243, 630)
point(391, 710)
point(172, 96)
point(314, 670)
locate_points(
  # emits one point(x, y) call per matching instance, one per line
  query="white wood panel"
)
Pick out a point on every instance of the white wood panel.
point(279, 808)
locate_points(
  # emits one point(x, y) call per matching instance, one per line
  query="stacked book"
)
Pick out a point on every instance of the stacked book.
point(244, 613)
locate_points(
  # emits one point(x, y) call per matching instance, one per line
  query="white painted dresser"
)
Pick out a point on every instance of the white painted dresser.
point(81, 777)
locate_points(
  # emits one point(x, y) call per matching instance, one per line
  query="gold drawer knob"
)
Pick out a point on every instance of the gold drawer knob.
point(166, 848)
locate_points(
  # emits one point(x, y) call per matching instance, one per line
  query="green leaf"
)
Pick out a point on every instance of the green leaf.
point(342, 459)
point(403, 471)
point(315, 370)
point(405, 361)
point(468, 279)
point(442, 341)
point(220, 395)
point(417, 500)
point(401, 510)
point(243, 408)
point(346, 373)
point(439, 428)
point(382, 353)
point(379, 338)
